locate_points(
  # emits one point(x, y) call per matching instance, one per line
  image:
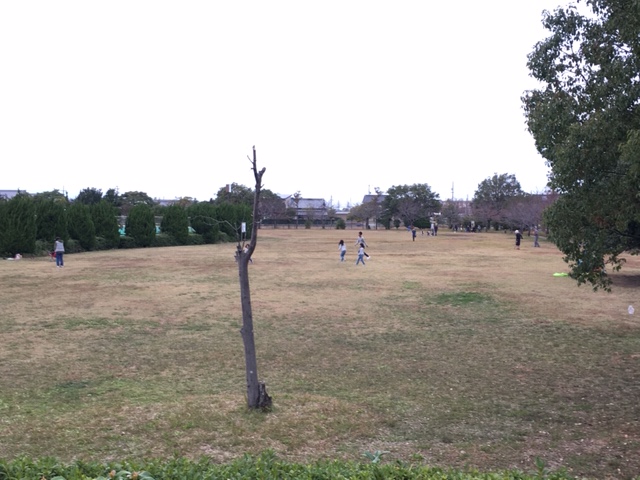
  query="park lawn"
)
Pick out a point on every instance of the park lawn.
point(454, 350)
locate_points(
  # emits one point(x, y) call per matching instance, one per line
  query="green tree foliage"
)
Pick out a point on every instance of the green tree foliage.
point(51, 220)
point(53, 195)
point(104, 216)
point(185, 201)
point(235, 194)
point(411, 202)
point(586, 123)
point(175, 223)
point(80, 224)
point(128, 200)
point(231, 216)
point(202, 217)
point(112, 197)
point(493, 197)
point(89, 196)
point(18, 225)
point(141, 225)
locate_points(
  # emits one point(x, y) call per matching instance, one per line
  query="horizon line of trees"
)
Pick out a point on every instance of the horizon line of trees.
point(29, 223)
point(499, 202)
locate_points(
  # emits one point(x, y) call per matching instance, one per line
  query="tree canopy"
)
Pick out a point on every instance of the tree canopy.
point(89, 196)
point(493, 197)
point(585, 122)
point(411, 202)
point(235, 194)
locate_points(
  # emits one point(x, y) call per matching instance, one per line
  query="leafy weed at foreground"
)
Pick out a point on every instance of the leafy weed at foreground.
point(265, 466)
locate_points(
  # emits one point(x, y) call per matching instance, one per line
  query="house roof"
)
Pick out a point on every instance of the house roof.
point(312, 203)
point(305, 203)
point(373, 198)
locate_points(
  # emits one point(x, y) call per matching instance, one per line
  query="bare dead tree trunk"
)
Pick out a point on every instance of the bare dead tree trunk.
point(257, 397)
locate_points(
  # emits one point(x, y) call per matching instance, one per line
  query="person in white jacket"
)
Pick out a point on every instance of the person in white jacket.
point(360, 241)
point(360, 255)
point(58, 248)
point(343, 250)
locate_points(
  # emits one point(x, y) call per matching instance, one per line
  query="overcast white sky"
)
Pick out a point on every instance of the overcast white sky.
point(338, 96)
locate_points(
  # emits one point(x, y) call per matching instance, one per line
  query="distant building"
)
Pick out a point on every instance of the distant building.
point(307, 208)
point(9, 194)
point(164, 202)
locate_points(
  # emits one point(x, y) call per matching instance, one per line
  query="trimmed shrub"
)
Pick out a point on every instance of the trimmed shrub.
point(81, 226)
point(127, 242)
point(141, 225)
point(164, 240)
point(195, 239)
point(51, 220)
point(175, 223)
point(202, 217)
point(104, 216)
point(101, 244)
point(18, 225)
point(230, 218)
point(340, 224)
point(73, 246)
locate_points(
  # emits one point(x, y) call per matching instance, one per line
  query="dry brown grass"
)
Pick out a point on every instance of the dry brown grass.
point(456, 349)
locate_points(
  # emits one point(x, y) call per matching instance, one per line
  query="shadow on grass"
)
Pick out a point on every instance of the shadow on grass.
point(626, 281)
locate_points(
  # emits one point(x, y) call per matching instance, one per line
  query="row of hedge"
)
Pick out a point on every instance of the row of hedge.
point(30, 225)
point(265, 467)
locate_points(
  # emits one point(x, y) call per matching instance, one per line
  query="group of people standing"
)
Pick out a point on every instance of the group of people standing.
point(361, 243)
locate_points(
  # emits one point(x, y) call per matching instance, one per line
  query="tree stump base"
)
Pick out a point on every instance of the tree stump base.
point(264, 400)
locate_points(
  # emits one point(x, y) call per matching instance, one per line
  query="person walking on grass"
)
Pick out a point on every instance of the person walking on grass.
point(343, 250)
point(361, 255)
point(536, 235)
point(360, 241)
point(58, 248)
point(518, 239)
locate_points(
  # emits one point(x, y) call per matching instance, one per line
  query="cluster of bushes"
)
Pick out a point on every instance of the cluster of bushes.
point(265, 466)
point(30, 225)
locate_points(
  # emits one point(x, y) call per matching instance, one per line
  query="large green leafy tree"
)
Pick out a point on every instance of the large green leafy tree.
point(141, 225)
point(412, 203)
point(493, 197)
point(586, 124)
point(104, 216)
point(81, 227)
point(175, 223)
point(112, 197)
point(18, 225)
point(128, 200)
point(234, 194)
point(54, 195)
point(89, 196)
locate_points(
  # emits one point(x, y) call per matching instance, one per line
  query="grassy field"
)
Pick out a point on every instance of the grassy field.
point(456, 350)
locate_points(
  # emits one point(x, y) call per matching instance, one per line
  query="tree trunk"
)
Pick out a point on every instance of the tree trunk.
point(257, 396)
